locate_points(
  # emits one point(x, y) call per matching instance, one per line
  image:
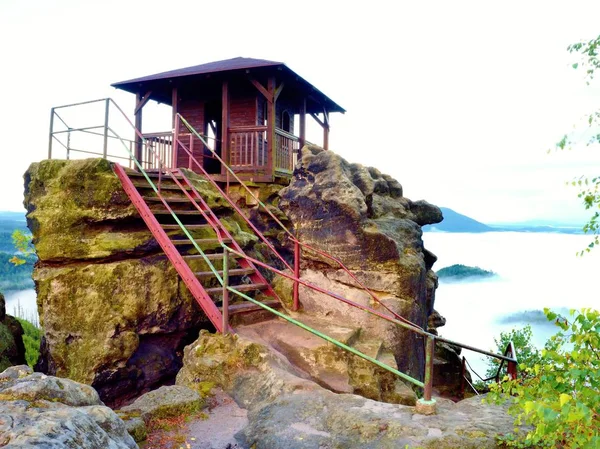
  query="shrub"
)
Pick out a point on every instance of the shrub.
point(558, 397)
point(31, 339)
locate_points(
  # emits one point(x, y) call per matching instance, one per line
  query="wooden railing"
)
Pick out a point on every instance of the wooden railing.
point(158, 146)
point(248, 147)
point(286, 151)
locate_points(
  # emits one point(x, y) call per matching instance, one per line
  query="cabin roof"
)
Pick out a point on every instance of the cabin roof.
point(161, 83)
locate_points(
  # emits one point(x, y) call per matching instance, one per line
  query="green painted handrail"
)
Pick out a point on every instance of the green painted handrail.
point(329, 339)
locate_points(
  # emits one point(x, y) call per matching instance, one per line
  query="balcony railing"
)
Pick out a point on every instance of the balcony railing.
point(248, 147)
point(286, 151)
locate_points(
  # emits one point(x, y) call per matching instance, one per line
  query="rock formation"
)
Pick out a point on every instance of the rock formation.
point(12, 350)
point(360, 216)
point(116, 315)
point(42, 411)
point(114, 312)
point(286, 410)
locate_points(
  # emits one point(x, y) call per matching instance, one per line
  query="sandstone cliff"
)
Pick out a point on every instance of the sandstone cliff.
point(114, 313)
point(360, 215)
point(116, 316)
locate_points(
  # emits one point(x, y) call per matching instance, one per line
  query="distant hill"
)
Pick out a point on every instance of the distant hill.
point(455, 222)
point(460, 272)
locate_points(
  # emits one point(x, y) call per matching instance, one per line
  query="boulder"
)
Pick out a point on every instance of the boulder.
point(360, 216)
point(38, 411)
point(165, 402)
point(114, 312)
point(288, 410)
point(12, 349)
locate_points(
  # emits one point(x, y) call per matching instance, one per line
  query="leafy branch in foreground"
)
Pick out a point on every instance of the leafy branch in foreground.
point(589, 191)
point(24, 245)
point(558, 396)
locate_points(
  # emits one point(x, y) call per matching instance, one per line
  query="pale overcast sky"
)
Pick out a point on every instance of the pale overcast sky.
point(459, 100)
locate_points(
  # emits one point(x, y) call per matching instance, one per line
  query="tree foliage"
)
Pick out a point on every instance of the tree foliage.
point(24, 246)
point(527, 353)
point(589, 187)
point(558, 396)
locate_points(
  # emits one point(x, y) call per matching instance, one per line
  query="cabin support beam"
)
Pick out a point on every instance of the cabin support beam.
point(225, 125)
point(271, 126)
point(302, 131)
point(139, 104)
point(175, 107)
point(325, 125)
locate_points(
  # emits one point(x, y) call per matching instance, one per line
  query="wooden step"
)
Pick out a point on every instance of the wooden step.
point(168, 199)
point(151, 174)
point(232, 272)
point(251, 307)
point(213, 256)
point(200, 241)
point(145, 185)
point(177, 212)
point(187, 226)
point(240, 288)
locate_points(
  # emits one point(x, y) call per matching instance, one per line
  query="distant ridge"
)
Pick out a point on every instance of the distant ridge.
point(455, 222)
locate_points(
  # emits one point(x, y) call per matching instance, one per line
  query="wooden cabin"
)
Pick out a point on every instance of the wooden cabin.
point(245, 108)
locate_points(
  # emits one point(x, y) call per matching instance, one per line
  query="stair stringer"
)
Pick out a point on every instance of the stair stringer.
point(182, 268)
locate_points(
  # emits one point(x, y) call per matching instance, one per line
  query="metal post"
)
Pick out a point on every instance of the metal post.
point(68, 144)
point(296, 275)
point(105, 149)
point(463, 372)
point(512, 370)
point(225, 311)
point(429, 351)
point(50, 133)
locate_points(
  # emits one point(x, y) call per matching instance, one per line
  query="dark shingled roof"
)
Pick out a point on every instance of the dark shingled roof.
point(223, 67)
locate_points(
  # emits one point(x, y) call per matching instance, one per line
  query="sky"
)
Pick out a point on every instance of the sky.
point(460, 101)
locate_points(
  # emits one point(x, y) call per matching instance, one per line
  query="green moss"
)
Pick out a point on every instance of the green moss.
point(215, 358)
point(101, 307)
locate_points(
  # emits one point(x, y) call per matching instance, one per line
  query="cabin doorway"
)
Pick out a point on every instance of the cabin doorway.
point(213, 130)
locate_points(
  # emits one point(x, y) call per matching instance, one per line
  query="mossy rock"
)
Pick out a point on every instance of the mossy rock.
point(216, 358)
point(103, 310)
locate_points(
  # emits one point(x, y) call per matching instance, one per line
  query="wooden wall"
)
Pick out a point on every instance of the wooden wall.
point(193, 111)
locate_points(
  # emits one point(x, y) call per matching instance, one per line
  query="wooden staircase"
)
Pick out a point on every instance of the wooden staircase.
point(193, 238)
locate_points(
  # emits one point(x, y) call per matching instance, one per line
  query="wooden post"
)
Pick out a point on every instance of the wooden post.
point(225, 125)
point(302, 137)
point(325, 130)
point(175, 120)
point(271, 127)
point(138, 126)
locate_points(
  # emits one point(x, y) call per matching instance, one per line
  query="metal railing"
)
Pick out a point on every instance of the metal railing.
point(164, 164)
point(72, 138)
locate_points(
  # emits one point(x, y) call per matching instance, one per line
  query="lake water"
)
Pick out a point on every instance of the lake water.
point(535, 270)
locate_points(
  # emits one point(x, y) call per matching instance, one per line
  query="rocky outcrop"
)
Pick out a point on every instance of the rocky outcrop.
point(114, 312)
point(39, 411)
point(287, 410)
point(12, 349)
point(360, 216)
